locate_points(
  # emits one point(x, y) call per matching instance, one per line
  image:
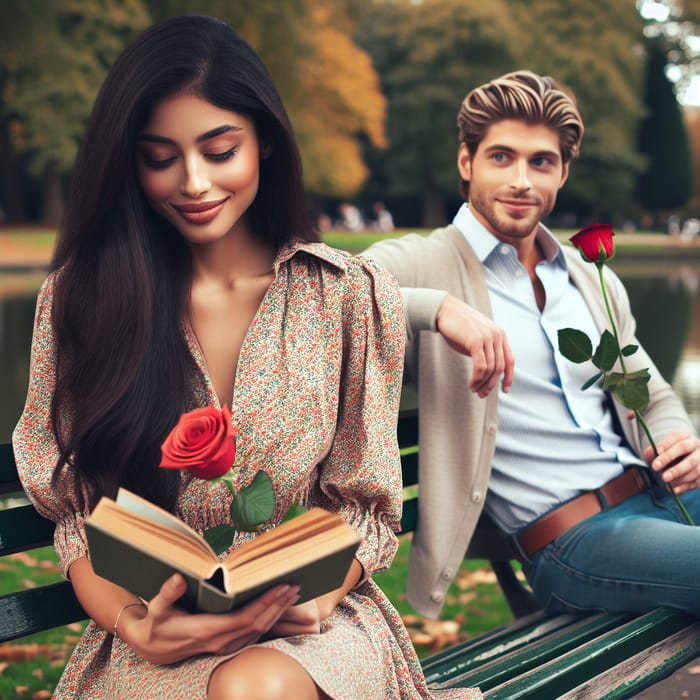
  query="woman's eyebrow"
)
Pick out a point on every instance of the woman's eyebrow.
point(154, 138)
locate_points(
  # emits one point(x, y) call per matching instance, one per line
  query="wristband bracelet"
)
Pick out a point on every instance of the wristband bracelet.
point(119, 615)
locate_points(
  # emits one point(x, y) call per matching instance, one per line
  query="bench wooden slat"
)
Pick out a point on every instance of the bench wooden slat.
point(22, 528)
point(490, 662)
point(38, 609)
point(645, 668)
point(600, 656)
point(9, 481)
point(407, 430)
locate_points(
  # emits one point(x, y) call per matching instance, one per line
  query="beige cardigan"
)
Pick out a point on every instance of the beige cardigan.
point(457, 428)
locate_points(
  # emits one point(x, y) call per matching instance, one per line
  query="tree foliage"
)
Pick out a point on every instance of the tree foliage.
point(328, 84)
point(429, 55)
point(595, 49)
point(47, 92)
point(668, 180)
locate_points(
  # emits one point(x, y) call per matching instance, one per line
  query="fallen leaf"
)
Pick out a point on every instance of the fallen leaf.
point(3, 666)
point(38, 673)
point(24, 558)
point(49, 565)
point(29, 583)
point(693, 670)
point(41, 695)
point(28, 652)
point(469, 579)
point(21, 689)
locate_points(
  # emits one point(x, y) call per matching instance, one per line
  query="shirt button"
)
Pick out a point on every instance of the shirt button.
point(436, 597)
point(491, 430)
point(518, 273)
point(505, 249)
point(446, 575)
point(477, 496)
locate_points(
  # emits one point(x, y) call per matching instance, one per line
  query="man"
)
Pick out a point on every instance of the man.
point(537, 452)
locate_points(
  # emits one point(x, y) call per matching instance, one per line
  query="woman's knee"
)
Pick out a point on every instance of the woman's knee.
point(262, 674)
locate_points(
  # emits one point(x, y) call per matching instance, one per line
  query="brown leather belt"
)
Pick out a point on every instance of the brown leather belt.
point(552, 524)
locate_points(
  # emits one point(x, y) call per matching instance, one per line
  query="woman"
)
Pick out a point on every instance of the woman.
point(187, 274)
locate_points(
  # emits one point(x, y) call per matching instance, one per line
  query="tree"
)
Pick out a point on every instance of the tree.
point(428, 56)
point(327, 82)
point(595, 49)
point(691, 117)
point(431, 54)
point(668, 180)
point(49, 90)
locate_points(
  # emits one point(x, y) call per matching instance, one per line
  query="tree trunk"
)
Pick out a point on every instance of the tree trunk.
point(434, 213)
point(11, 203)
point(52, 196)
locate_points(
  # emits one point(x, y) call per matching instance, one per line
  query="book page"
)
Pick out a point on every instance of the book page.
point(183, 548)
point(151, 511)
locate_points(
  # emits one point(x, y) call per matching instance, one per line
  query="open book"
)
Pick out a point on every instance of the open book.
point(138, 545)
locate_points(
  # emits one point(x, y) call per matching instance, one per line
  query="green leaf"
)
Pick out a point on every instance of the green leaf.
point(254, 504)
point(612, 380)
point(639, 374)
point(629, 389)
point(633, 393)
point(629, 350)
point(220, 537)
point(606, 353)
point(294, 510)
point(575, 345)
point(592, 381)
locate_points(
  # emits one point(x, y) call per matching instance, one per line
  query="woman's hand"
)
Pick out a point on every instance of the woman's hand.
point(163, 634)
point(299, 619)
point(306, 618)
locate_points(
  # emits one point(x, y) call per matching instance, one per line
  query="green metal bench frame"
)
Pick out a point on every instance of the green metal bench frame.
point(601, 655)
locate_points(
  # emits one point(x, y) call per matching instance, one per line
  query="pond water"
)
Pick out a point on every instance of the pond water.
point(664, 297)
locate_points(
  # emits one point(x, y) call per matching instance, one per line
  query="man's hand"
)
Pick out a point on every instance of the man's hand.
point(470, 332)
point(678, 460)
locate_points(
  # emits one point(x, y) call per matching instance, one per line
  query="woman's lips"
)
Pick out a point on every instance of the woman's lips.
point(200, 212)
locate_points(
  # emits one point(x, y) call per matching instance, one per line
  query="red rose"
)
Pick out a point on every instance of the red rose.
point(203, 442)
point(595, 242)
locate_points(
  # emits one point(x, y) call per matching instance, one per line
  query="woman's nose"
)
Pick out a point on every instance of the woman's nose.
point(195, 181)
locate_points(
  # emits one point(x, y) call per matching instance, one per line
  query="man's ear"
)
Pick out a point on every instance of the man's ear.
point(464, 162)
point(564, 174)
point(265, 147)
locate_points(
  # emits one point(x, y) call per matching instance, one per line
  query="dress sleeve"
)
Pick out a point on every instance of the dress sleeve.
point(34, 444)
point(361, 475)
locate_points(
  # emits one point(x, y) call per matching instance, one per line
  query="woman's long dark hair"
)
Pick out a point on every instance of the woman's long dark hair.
point(124, 372)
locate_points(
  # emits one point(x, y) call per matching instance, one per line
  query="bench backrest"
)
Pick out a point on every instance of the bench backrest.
point(23, 529)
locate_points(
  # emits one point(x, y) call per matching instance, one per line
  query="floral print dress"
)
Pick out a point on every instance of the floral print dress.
point(315, 400)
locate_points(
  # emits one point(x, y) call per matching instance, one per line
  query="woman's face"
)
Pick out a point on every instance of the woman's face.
point(199, 166)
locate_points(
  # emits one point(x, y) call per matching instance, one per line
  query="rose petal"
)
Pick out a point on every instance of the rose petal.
point(203, 442)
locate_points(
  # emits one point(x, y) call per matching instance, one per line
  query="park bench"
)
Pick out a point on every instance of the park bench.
point(601, 655)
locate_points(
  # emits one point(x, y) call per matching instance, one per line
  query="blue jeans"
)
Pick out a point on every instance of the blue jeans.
point(633, 557)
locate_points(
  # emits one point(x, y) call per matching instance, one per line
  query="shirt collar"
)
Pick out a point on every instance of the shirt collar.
point(337, 258)
point(484, 243)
